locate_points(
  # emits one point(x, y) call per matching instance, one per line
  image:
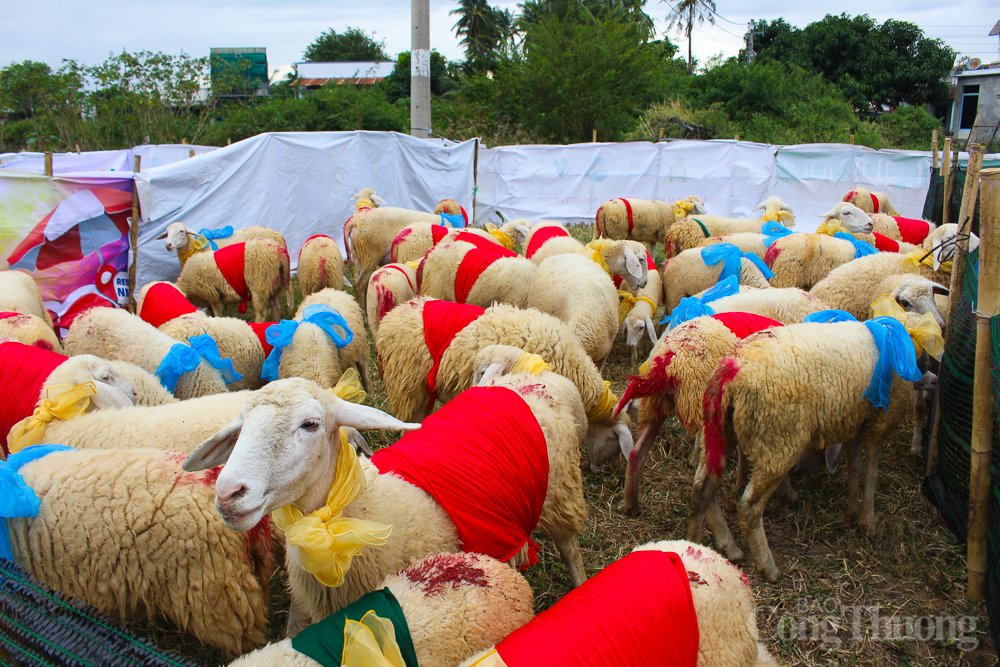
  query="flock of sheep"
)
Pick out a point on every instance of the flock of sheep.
point(196, 449)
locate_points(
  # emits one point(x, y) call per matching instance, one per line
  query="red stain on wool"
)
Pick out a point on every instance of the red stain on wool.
point(715, 415)
point(44, 345)
point(400, 238)
point(745, 579)
point(434, 573)
point(653, 381)
point(420, 273)
point(386, 300)
point(772, 254)
point(696, 579)
point(321, 267)
point(533, 390)
point(260, 536)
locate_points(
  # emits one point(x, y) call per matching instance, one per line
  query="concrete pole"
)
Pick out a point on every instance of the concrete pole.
point(420, 69)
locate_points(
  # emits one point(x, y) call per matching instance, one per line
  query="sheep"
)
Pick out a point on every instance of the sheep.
point(673, 382)
point(461, 272)
point(414, 378)
point(453, 605)
point(870, 202)
point(256, 270)
point(746, 241)
point(180, 238)
point(581, 294)
point(646, 616)
point(938, 250)
point(320, 265)
point(130, 533)
point(787, 305)
point(548, 238)
point(645, 220)
point(149, 391)
point(30, 379)
point(286, 454)
point(452, 208)
point(640, 307)
point(802, 260)
point(115, 334)
point(691, 231)
point(312, 353)
point(414, 241)
point(20, 294)
point(619, 259)
point(686, 274)
point(787, 391)
point(30, 330)
point(164, 306)
point(388, 287)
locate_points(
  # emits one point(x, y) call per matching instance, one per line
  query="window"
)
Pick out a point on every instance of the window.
point(970, 106)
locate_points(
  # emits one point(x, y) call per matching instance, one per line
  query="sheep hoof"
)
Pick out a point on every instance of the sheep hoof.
point(771, 573)
point(632, 510)
point(735, 555)
point(597, 468)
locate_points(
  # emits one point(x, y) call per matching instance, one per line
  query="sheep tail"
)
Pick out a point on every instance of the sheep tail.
point(348, 228)
point(598, 233)
point(716, 404)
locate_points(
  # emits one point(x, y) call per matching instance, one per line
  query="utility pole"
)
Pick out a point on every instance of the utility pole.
point(750, 53)
point(420, 69)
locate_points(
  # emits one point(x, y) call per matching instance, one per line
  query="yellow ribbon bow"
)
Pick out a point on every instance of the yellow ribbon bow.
point(603, 408)
point(530, 363)
point(924, 330)
point(643, 367)
point(505, 240)
point(491, 659)
point(413, 265)
point(682, 209)
point(371, 642)
point(326, 540)
point(196, 244)
point(914, 258)
point(70, 402)
point(595, 249)
point(774, 214)
point(628, 302)
point(830, 227)
point(349, 388)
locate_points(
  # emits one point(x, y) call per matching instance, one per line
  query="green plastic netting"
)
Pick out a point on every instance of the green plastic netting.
point(934, 203)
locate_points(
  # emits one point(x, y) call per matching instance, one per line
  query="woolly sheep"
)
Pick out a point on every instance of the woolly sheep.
point(30, 330)
point(650, 219)
point(507, 280)
point(870, 202)
point(781, 393)
point(893, 227)
point(691, 231)
point(320, 265)
point(416, 240)
point(788, 305)
point(802, 260)
point(940, 243)
point(686, 274)
point(266, 273)
point(621, 259)
point(181, 239)
point(454, 604)
point(723, 605)
point(745, 241)
point(581, 294)
point(20, 294)
point(149, 391)
point(555, 245)
point(284, 449)
point(312, 354)
point(389, 286)
point(111, 333)
point(639, 319)
point(128, 531)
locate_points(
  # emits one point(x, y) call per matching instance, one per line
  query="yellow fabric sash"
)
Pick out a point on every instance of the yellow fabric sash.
point(371, 642)
point(594, 252)
point(413, 265)
point(628, 302)
point(775, 214)
point(491, 659)
point(364, 204)
point(643, 367)
point(682, 209)
point(913, 260)
point(61, 402)
point(604, 406)
point(326, 540)
point(505, 240)
point(830, 227)
point(925, 332)
point(348, 387)
point(530, 363)
point(195, 244)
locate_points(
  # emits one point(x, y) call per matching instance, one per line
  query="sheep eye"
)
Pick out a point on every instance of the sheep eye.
point(310, 425)
point(905, 303)
point(107, 377)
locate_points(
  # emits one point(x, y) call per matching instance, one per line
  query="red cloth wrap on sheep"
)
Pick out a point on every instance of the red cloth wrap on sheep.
point(483, 458)
point(23, 371)
point(7, 315)
point(650, 266)
point(884, 244)
point(628, 211)
point(744, 324)
point(539, 238)
point(485, 245)
point(913, 231)
point(472, 266)
point(314, 236)
point(875, 202)
point(438, 232)
point(230, 261)
point(260, 329)
point(408, 281)
point(163, 303)
point(646, 617)
point(442, 322)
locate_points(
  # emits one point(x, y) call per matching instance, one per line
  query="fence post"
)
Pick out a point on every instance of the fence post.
point(945, 172)
point(475, 181)
point(133, 236)
point(934, 147)
point(595, 135)
point(48, 164)
point(982, 393)
point(191, 153)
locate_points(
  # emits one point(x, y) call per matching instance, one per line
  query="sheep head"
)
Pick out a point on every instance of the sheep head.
point(493, 361)
point(369, 194)
point(852, 218)
point(627, 259)
point(638, 324)
point(944, 240)
point(699, 205)
point(113, 390)
point(605, 439)
point(281, 449)
point(177, 236)
point(916, 296)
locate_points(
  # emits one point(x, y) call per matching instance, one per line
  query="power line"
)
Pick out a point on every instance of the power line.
point(721, 16)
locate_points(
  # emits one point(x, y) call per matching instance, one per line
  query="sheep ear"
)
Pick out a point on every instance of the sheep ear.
point(940, 289)
point(651, 330)
point(107, 396)
point(759, 207)
point(364, 417)
point(522, 230)
point(161, 236)
point(699, 208)
point(358, 441)
point(832, 213)
point(378, 201)
point(625, 442)
point(629, 254)
point(216, 450)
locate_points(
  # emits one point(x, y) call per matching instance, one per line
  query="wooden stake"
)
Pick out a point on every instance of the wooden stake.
point(852, 138)
point(982, 392)
point(737, 137)
point(133, 236)
point(934, 147)
point(77, 149)
point(184, 140)
point(595, 135)
point(951, 181)
point(475, 181)
point(229, 141)
point(48, 164)
point(945, 172)
point(661, 133)
point(191, 153)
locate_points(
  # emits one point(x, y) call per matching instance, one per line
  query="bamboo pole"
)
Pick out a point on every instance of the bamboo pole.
point(852, 138)
point(133, 235)
point(952, 177)
point(737, 137)
point(191, 153)
point(595, 135)
point(934, 147)
point(661, 134)
point(945, 171)
point(77, 149)
point(982, 393)
point(475, 182)
point(48, 164)
point(229, 141)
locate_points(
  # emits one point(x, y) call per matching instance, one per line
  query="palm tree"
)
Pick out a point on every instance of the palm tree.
point(688, 12)
point(477, 26)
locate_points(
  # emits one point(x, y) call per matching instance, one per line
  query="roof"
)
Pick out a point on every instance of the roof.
point(238, 49)
point(345, 70)
point(996, 30)
point(339, 82)
point(982, 71)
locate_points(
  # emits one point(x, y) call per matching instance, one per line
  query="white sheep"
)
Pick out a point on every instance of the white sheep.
point(802, 260)
point(619, 259)
point(452, 604)
point(30, 330)
point(414, 241)
point(186, 243)
point(397, 520)
point(640, 308)
point(691, 231)
point(547, 238)
point(20, 294)
point(645, 220)
point(111, 333)
point(257, 270)
point(389, 286)
point(320, 265)
point(461, 272)
point(746, 241)
point(870, 202)
point(645, 616)
point(687, 274)
point(148, 389)
point(786, 305)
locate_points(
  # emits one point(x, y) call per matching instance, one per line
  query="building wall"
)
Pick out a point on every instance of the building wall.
point(989, 105)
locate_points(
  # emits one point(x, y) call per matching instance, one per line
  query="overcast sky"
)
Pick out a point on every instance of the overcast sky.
point(50, 30)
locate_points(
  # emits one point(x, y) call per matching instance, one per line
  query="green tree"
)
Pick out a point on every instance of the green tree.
point(397, 84)
point(687, 13)
point(354, 44)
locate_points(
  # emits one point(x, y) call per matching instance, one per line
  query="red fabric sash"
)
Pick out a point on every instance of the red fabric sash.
point(483, 458)
point(259, 330)
point(405, 275)
point(912, 231)
point(744, 324)
point(628, 211)
point(473, 264)
point(230, 261)
point(314, 236)
point(464, 214)
point(484, 244)
point(442, 322)
point(8, 314)
point(438, 232)
point(539, 238)
point(23, 371)
point(163, 303)
point(884, 244)
point(875, 202)
point(636, 611)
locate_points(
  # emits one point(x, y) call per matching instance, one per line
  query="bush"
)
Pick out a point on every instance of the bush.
point(909, 127)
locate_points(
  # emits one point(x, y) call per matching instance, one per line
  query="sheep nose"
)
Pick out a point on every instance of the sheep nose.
point(230, 494)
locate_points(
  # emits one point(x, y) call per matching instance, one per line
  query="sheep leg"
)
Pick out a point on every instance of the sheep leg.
point(695, 452)
point(569, 551)
point(742, 471)
point(298, 620)
point(919, 420)
point(724, 540)
point(751, 508)
point(259, 306)
point(867, 518)
point(853, 455)
point(634, 467)
point(786, 492)
point(276, 307)
point(361, 288)
point(362, 366)
point(216, 308)
point(702, 494)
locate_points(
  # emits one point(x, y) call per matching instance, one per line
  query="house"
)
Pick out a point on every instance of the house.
point(977, 92)
point(250, 64)
point(314, 75)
